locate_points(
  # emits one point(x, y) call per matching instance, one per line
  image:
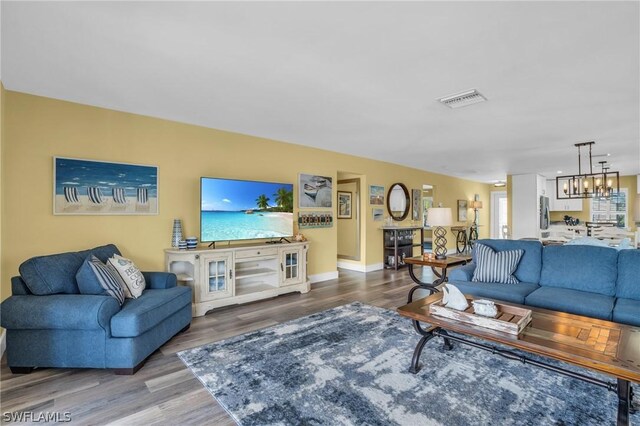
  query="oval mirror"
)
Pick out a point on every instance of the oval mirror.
point(398, 201)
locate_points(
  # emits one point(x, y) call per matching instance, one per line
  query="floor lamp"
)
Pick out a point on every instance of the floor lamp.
point(437, 217)
point(473, 232)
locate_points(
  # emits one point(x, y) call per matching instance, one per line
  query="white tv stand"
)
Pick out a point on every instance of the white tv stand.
point(239, 274)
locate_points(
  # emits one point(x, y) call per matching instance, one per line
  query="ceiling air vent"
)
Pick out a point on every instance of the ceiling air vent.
point(463, 99)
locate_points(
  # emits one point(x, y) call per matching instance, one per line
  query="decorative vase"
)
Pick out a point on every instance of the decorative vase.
point(177, 233)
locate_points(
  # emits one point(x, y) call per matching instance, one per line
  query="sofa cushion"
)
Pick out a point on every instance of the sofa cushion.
point(462, 273)
point(496, 266)
point(572, 301)
point(628, 285)
point(627, 311)
point(514, 293)
point(132, 279)
point(145, 312)
point(586, 268)
point(58, 312)
point(56, 273)
point(94, 277)
point(530, 264)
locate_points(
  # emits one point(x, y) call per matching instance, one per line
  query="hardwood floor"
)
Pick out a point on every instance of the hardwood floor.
point(164, 391)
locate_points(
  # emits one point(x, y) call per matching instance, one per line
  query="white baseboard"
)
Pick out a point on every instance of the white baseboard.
point(374, 267)
point(3, 342)
point(326, 276)
point(358, 267)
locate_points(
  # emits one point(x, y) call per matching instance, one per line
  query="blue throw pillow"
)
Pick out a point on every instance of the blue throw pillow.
point(94, 277)
point(496, 266)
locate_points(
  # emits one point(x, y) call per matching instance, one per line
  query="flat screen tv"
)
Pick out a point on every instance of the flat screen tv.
point(244, 210)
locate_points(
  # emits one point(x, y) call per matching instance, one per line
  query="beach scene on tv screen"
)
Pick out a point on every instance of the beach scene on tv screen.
point(242, 210)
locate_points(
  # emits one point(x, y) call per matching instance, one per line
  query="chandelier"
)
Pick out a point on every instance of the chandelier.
point(588, 185)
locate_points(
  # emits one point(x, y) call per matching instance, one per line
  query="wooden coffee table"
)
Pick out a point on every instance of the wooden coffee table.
point(442, 264)
point(606, 347)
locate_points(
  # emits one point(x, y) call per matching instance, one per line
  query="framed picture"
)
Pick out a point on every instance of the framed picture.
point(314, 191)
point(378, 214)
point(416, 197)
point(344, 205)
point(376, 195)
point(462, 210)
point(90, 187)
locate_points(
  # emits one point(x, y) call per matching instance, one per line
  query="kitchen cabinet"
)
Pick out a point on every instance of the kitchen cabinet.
point(556, 205)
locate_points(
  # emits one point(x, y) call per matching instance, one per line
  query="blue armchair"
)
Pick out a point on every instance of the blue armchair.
point(50, 324)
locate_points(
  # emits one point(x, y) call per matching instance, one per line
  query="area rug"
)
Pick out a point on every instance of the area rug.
point(349, 365)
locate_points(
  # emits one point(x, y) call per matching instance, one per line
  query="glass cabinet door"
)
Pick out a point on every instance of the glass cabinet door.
point(218, 277)
point(291, 268)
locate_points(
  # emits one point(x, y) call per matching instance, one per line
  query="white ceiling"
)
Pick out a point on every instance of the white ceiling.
point(360, 77)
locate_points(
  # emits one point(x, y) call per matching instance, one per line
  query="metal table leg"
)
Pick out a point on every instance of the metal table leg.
point(442, 276)
point(624, 399)
point(426, 336)
point(430, 287)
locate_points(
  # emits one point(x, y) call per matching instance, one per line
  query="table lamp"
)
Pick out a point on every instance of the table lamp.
point(438, 217)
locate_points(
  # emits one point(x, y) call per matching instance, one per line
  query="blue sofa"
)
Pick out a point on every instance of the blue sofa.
point(597, 282)
point(50, 324)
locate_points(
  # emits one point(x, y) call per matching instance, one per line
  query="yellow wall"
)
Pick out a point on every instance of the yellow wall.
point(37, 128)
point(629, 182)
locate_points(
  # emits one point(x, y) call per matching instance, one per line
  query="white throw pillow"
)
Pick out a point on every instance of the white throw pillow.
point(130, 274)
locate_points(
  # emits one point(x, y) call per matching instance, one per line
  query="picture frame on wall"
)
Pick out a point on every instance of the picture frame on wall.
point(314, 191)
point(416, 207)
point(93, 187)
point(462, 210)
point(378, 214)
point(344, 205)
point(376, 195)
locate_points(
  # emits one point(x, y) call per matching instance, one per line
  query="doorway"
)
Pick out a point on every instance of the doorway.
point(349, 217)
point(499, 228)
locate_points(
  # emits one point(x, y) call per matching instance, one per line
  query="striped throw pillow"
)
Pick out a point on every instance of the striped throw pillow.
point(104, 279)
point(496, 266)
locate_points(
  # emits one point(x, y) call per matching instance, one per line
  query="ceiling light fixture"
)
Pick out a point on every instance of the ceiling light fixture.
point(588, 185)
point(500, 184)
point(463, 99)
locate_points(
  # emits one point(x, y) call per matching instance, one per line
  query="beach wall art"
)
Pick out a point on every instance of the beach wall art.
point(376, 195)
point(90, 187)
point(314, 191)
point(416, 198)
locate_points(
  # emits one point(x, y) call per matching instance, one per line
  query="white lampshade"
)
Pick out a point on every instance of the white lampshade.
point(439, 216)
point(636, 211)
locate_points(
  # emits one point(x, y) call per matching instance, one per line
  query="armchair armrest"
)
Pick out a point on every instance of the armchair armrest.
point(58, 312)
point(160, 280)
point(463, 273)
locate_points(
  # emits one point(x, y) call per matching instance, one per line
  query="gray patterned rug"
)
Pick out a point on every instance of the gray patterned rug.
point(348, 365)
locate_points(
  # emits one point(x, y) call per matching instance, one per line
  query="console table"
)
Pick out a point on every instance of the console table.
point(462, 245)
point(239, 274)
